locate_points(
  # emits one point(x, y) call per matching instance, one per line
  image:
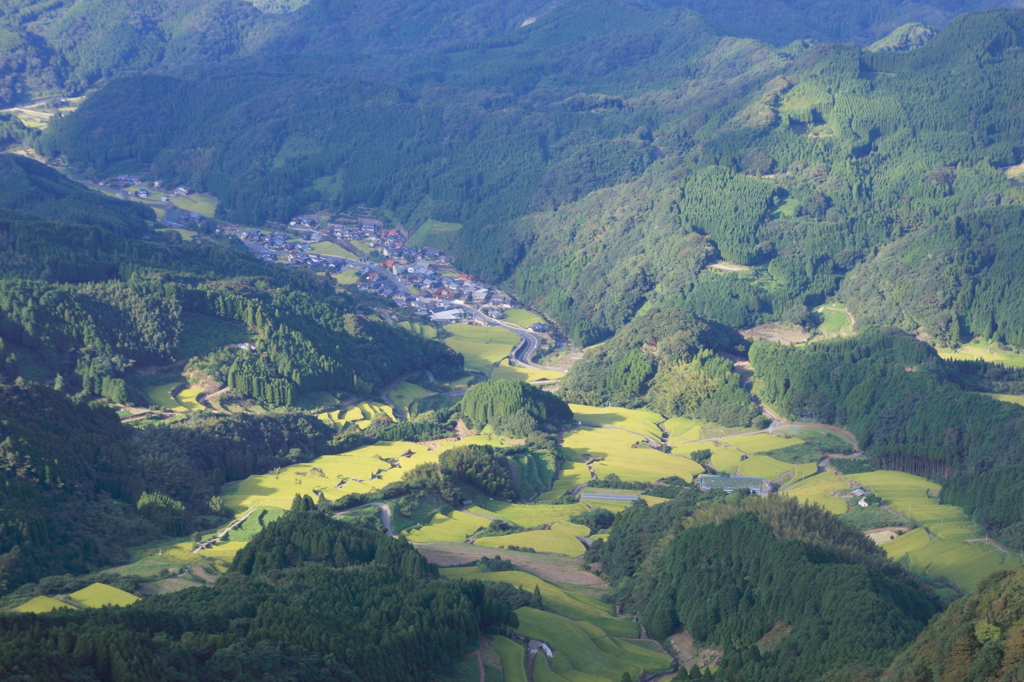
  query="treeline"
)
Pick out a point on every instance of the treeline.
point(311, 597)
point(666, 359)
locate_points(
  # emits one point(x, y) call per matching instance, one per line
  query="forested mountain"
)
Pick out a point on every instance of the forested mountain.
point(309, 598)
point(977, 638)
point(592, 176)
point(88, 291)
point(786, 590)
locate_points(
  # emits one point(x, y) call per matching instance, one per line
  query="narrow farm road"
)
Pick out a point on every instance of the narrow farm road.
point(227, 529)
point(385, 514)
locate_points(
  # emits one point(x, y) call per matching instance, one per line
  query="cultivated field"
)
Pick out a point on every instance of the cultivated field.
point(98, 595)
point(639, 421)
point(835, 321)
point(361, 414)
point(617, 456)
point(761, 442)
point(818, 490)
point(512, 667)
point(523, 318)
point(481, 347)
point(762, 466)
point(425, 330)
point(571, 475)
point(554, 541)
point(41, 604)
point(506, 371)
point(983, 350)
point(346, 277)
point(529, 515)
point(682, 429)
point(203, 204)
point(1006, 398)
point(434, 234)
point(164, 398)
point(405, 394)
point(453, 527)
point(332, 249)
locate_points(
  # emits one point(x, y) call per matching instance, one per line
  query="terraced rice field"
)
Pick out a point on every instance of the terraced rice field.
point(506, 371)
point(568, 604)
point(361, 414)
point(726, 460)
point(682, 429)
point(957, 550)
point(405, 394)
point(98, 595)
point(571, 475)
point(41, 604)
point(617, 456)
point(453, 527)
point(574, 644)
point(368, 465)
point(481, 347)
point(529, 515)
point(512, 667)
point(425, 330)
point(163, 397)
point(639, 421)
point(761, 442)
point(818, 490)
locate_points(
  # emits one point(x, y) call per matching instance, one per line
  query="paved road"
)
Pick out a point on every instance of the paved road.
point(528, 341)
point(385, 514)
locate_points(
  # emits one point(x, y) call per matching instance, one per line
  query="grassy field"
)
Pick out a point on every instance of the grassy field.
point(524, 318)
point(425, 330)
point(512, 667)
point(551, 541)
point(41, 604)
point(761, 442)
point(453, 527)
point(571, 475)
point(575, 644)
point(507, 371)
point(361, 414)
point(617, 456)
point(639, 421)
point(682, 429)
point(98, 595)
point(346, 277)
point(835, 320)
point(983, 350)
point(481, 347)
point(332, 249)
point(1006, 398)
point(164, 398)
point(203, 204)
point(818, 490)
point(434, 234)
point(405, 394)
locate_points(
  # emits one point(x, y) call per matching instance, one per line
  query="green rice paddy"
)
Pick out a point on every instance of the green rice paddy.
point(331, 249)
point(41, 604)
point(453, 527)
point(99, 595)
point(617, 456)
point(425, 330)
point(346, 277)
point(571, 475)
point(405, 394)
point(523, 318)
point(682, 429)
point(818, 490)
point(988, 351)
point(512, 666)
point(639, 421)
point(761, 442)
point(551, 541)
point(163, 397)
point(481, 347)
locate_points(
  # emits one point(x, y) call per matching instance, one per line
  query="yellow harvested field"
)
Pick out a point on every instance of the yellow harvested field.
point(481, 347)
point(617, 456)
point(362, 470)
point(639, 421)
point(98, 595)
point(505, 371)
point(818, 490)
point(682, 429)
point(760, 442)
point(187, 399)
point(361, 414)
point(41, 604)
point(551, 541)
point(454, 527)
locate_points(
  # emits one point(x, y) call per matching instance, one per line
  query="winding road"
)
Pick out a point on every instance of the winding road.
point(528, 341)
point(385, 515)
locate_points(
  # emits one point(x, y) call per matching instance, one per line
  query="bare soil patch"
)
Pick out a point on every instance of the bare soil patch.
point(786, 334)
point(546, 566)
